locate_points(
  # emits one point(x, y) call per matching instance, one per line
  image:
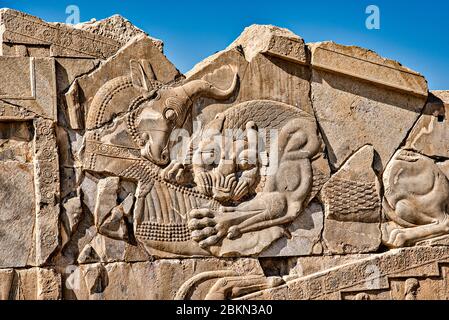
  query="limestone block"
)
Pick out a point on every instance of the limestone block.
point(271, 40)
point(352, 204)
point(430, 134)
point(305, 235)
point(17, 211)
point(158, 280)
point(367, 66)
point(22, 50)
point(6, 279)
point(27, 88)
point(140, 48)
point(63, 40)
point(107, 250)
point(272, 64)
point(416, 288)
point(360, 98)
point(48, 284)
point(278, 68)
point(218, 69)
point(369, 275)
point(16, 141)
point(415, 199)
point(276, 79)
point(116, 28)
point(68, 69)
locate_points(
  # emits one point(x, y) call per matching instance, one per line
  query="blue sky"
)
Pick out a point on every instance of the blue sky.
point(416, 33)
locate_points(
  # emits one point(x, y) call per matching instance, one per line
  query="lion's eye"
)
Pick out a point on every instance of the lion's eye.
point(170, 114)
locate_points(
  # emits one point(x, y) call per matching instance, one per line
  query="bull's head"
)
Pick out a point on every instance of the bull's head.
point(166, 109)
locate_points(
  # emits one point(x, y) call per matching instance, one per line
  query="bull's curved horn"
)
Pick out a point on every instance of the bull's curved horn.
point(197, 88)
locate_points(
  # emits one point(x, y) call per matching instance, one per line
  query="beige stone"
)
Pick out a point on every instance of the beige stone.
point(63, 40)
point(429, 135)
point(367, 276)
point(360, 98)
point(271, 40)
point(47, 189)
point(34, 92)
point(6, 279)
point(305, 234)
point(17, 209)
point(16, 142)
point(117, 28)
point(34, 284)
point(68, 69)
point(366, 65)
point(415, 200)
point(161, 279)
point(272, 170)
point(272, 64)
point(140, 49)
point(352, 205)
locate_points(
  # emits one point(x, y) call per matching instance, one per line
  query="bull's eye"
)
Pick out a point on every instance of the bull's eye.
point(170, 114)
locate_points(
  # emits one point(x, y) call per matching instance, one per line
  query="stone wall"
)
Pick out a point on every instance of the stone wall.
point(274, 169)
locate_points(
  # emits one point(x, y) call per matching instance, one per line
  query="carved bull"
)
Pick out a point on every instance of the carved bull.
point(166, 110)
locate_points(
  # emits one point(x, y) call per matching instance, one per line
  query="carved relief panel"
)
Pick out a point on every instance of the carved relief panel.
point(274, 169)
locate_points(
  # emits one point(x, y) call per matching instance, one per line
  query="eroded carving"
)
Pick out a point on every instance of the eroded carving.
point(46, 166)
point(416, 199)
point(275, 169)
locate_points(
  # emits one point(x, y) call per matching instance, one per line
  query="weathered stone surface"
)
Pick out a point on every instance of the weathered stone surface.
point(305, 235)
point(367, 276)
point(352, 107)
point(272, 170)
point(107, 250)
point(27, 88)
point(270, 63)
point(68, 69)
point(30, 284)
point(47, 189)
point(430, 134)
point(353, 206)
point(6, 279)
point(415, 199)
point(366, 65)
point(117, 28)
point(271, 40)
point(48, 284)
point(17, 211)
point(16, 141)
point(63, 40)
point(162, 279)
point(140, 49)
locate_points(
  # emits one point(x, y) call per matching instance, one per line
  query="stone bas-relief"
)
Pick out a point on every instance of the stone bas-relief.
point(274, 169)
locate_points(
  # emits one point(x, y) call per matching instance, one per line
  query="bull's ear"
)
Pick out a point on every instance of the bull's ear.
point(142, 74)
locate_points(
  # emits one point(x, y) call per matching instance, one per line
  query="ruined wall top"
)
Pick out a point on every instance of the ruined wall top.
point(274, 169)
